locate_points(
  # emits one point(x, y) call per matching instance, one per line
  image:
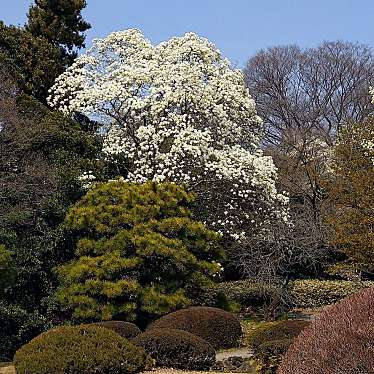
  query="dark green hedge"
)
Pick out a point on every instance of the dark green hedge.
point(177, 349)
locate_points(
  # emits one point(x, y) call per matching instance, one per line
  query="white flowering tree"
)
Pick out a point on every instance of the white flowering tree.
point(177, 111)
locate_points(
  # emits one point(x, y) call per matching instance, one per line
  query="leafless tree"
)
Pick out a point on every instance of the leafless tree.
point(313, 90)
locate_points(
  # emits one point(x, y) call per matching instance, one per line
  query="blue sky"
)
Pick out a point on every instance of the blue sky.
point(238, 27)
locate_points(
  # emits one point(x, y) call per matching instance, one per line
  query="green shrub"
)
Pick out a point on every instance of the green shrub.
point(17, 326)
point(312, 293)
point(80, 349)
point(127, 330)
point(275, 331)
point(270, 341)
point(176, 349)
point(220, 328)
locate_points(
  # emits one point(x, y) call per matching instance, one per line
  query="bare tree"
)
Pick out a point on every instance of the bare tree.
point(314, 90)
point(304, 97)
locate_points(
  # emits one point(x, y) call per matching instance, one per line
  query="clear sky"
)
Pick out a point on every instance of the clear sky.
point(238, 27)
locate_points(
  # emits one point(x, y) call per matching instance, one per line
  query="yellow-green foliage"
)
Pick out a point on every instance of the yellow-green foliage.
point(80, 349)
point(351, 193)
point(137, 251)
point(311, 293)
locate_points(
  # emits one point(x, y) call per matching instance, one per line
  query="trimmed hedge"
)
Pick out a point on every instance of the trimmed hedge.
point(340, 341)
point(275, 331)
point(311, 293)
point(220, 328)
point(176, 349)
point(127, 330)
point(245, 292)
point(80, 349)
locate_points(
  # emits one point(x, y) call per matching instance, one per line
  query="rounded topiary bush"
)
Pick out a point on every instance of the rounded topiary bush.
point(127, 330)
point(220, 328)
point(278, 330)
point(340, 341)
point(80, 349)
point(177, 349)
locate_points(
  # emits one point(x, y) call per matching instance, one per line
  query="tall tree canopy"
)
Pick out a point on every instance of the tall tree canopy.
point(178, 111)
point(60, 22)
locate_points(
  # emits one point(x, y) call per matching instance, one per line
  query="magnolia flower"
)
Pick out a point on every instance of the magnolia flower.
point(178, 111)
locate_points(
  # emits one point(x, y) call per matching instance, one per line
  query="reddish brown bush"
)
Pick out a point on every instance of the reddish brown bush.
point(340, 341)
point(220, 328)
point(126, 329)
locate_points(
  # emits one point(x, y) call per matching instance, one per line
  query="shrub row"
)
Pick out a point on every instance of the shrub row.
point(308, 293)
point(244, 292)
point(184, 339)
point(311, 293)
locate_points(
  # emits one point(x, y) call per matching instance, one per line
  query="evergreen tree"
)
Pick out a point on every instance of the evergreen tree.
point(139, 253)
point(60, 22)
point(32, 61)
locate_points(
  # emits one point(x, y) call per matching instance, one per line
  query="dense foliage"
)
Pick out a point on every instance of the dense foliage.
point(270, 341)
point(138, 252)
point(31, 61)
point(220, 328)
point(80, 349)
point(339, 341)
point(176, 349)
point(17, 327)
point(41, 155)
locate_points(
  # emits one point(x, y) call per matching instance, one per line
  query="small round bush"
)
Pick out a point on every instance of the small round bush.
point(218, 327)
point(340, 341)
point(269, 355)
point(279, 330)
point(127, 330)
point(80, 349)
point(177, 349)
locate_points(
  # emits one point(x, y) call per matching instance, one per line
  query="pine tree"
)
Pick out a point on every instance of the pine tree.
point(60, 22)
point(139, 253)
